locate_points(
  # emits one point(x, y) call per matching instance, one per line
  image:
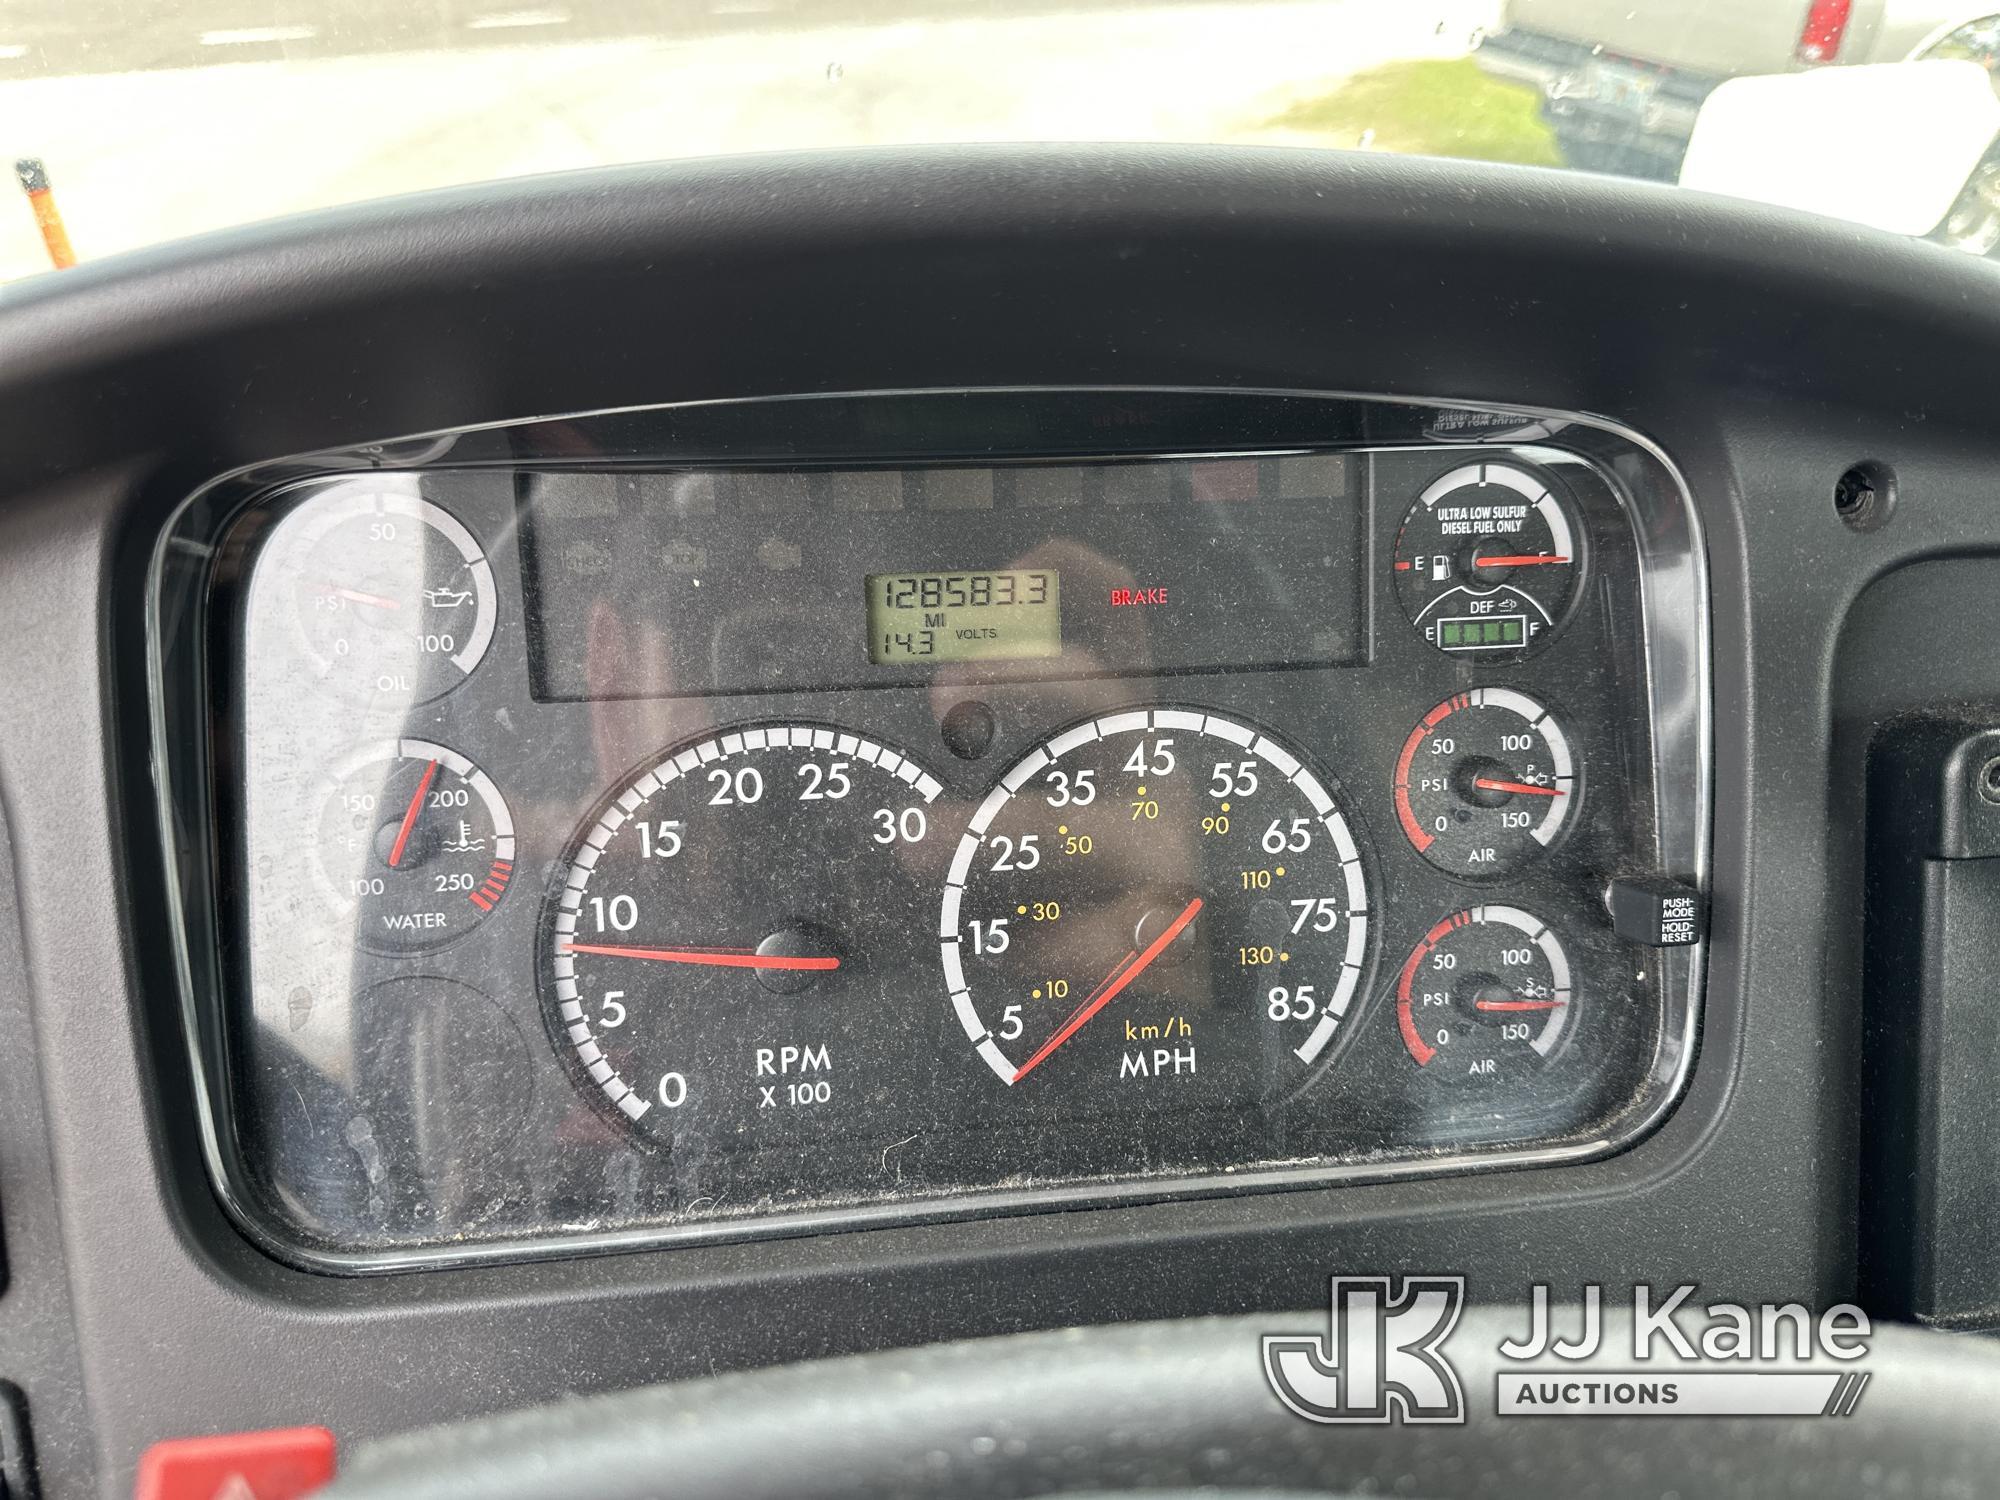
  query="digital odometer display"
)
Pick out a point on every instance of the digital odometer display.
point(1000, 615)
point(708, 582)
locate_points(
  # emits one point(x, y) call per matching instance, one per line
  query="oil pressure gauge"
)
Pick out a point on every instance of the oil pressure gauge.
point(1486, 561)
point(393, 597)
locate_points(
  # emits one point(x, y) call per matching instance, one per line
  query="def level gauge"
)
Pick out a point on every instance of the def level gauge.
point(1487, 561)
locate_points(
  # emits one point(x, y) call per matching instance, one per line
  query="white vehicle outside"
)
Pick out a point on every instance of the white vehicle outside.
point(1622, 84)
point(1909, 147)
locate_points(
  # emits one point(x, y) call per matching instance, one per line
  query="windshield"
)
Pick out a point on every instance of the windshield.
point(133, 123)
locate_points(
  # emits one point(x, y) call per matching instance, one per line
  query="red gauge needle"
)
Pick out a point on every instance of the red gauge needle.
point(719, 958)
point(1488, 784)
point(410, 816)
point(1519, 1004)
point(1532, 560)
point(355, 596)
point(1128, 968)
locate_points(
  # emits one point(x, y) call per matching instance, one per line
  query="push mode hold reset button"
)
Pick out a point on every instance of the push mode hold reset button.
point(1657, 913)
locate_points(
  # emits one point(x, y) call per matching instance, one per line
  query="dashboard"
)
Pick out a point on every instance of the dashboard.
point(616, 778)
point(621, 839)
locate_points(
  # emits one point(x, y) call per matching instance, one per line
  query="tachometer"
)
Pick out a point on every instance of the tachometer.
point(710, 953)
point(1164, 899)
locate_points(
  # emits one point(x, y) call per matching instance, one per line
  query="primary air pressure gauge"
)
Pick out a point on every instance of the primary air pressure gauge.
point(1484, 783)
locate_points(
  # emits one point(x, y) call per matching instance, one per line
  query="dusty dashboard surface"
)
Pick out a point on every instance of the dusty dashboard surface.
point(771, 816)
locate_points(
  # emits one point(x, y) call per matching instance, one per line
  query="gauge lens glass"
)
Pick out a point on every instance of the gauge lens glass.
point(636, 830)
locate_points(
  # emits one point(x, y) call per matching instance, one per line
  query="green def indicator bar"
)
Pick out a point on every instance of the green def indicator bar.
point(1464, 633)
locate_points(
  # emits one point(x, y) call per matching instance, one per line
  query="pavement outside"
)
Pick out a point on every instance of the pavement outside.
point(161, 121)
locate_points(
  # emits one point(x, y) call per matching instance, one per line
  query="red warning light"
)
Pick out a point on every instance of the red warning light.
point(1138, 596)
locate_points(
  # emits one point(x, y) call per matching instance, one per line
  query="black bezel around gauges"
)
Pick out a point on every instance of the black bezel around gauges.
point(772, 817)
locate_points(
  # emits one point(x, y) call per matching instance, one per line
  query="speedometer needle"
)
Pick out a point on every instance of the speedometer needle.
point(1128, 968)
point(720, 958)
point(1488, 784)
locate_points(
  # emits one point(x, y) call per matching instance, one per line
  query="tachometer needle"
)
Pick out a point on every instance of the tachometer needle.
point(1128, 968)
point(410, 816)
point(1488, 784)
point(1519, 1004)
point(719, 958)
point(1531, 560)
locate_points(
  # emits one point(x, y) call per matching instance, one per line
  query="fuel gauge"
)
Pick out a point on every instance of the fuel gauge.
point(1486, 561)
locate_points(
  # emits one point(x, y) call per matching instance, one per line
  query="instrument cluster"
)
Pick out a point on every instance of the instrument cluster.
point(784, 815)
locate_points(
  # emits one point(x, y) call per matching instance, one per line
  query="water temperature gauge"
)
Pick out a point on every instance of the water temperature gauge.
point(416, 841)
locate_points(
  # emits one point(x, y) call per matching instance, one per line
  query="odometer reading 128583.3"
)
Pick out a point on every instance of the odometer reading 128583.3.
point(998, 615)
point(1163, 899)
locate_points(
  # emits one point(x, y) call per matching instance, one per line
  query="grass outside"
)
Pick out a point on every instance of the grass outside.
point(1429, 107)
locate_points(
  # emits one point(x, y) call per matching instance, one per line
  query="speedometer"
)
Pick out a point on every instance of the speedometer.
point(1162, 899)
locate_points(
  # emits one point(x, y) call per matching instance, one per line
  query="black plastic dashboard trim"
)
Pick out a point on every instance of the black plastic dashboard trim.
point(1767, 351)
